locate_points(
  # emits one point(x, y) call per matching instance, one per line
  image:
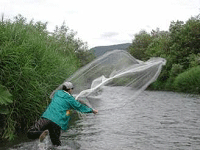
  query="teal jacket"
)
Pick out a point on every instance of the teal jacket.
point(60, 104)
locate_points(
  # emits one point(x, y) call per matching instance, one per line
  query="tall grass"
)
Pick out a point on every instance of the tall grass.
point(188, 81)
point(32, 64)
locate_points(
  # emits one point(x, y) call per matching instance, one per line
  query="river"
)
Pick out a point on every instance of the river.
point(154, 120)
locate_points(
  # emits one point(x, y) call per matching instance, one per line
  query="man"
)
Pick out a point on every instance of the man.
point(57, 115)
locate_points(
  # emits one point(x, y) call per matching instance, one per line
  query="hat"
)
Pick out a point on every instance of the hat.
point(68, 85)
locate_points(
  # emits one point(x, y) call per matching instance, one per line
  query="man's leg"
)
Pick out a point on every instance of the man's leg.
point(54, 131)
point(38, 128)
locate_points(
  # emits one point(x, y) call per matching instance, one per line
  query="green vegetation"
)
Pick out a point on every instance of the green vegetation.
point(180, 46)
point(188, 81)
point(32, 64)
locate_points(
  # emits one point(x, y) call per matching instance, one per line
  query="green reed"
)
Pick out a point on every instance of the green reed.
point(32, 64)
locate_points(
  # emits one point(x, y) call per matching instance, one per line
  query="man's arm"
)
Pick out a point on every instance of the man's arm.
point(84, 108)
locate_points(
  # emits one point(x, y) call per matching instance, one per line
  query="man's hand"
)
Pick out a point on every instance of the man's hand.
point(95, 111)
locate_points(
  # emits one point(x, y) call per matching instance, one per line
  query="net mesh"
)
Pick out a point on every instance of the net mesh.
point(115, 68)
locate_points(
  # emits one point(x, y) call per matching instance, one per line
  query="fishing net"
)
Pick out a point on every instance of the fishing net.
point(114, 69)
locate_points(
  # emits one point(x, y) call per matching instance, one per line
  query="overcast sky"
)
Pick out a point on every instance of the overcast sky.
point(103, 22)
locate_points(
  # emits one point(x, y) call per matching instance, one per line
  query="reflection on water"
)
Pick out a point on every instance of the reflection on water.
point(154, 120)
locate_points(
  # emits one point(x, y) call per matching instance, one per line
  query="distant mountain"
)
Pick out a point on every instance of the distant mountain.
point(100, 50)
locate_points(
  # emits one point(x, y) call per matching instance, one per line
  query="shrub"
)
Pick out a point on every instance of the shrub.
point(188, 81)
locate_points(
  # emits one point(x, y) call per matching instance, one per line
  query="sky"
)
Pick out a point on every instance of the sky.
point(103, 22)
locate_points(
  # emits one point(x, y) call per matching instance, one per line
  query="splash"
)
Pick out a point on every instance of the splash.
point(116, 68)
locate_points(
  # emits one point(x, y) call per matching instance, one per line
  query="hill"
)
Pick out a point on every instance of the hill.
point(100, 50)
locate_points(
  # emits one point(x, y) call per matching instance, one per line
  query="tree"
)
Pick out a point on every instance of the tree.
point(140, 44)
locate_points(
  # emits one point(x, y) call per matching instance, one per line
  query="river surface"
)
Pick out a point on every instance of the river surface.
point(151, 121)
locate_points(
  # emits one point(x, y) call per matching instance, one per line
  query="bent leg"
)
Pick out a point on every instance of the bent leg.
point(38, 128)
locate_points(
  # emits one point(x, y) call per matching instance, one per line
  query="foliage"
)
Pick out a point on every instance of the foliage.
point(194, 60)
point(139, 45)
point(188, 81)
point(159, 45)
point(5, 99)
point(85, 56)
point(176, 70)
point(180, 46)
point(72, 46)
point(32, 64)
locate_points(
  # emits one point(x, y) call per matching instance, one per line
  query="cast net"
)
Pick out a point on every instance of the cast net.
point(114, 69)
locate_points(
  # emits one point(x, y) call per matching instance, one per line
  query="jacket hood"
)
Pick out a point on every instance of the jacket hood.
point(62, 94)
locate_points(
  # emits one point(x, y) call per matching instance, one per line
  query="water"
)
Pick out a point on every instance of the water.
point(153, 121)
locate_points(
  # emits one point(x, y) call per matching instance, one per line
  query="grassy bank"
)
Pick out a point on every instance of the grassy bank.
point(32, 64)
